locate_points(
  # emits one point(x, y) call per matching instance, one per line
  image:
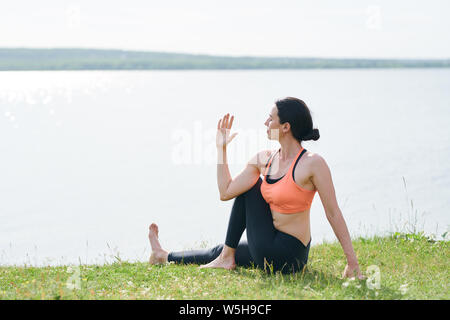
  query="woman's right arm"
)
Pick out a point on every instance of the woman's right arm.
point(230, 188)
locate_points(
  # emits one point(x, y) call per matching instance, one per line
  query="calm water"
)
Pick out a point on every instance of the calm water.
point(89, 159)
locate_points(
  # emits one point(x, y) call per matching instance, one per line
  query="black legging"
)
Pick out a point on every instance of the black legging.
point(266, 247)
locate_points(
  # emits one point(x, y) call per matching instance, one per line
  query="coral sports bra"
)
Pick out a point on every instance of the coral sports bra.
point(283, 194)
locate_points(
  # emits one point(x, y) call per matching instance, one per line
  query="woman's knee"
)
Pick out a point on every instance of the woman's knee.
point(256, 188)
point(257, 185)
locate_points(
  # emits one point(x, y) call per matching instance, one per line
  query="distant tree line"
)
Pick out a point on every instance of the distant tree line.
point(97, 59)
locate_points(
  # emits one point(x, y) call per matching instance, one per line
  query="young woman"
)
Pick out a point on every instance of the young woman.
point(274, 210)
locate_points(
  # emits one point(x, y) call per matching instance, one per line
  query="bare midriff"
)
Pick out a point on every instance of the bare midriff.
point(295, 224)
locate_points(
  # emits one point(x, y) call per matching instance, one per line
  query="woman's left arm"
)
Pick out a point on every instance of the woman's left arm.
point(321, 178)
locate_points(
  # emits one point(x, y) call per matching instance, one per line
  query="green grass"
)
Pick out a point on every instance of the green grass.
point(411, 266)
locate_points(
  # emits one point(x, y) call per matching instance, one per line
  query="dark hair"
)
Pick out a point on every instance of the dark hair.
point(297, 113)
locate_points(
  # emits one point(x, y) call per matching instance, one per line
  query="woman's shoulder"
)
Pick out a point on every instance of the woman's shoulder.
point(314, 160)
point(313, 156)
point(261, 158)
point(264, 156)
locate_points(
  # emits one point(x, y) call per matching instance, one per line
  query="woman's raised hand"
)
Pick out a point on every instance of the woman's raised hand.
point(223, 137)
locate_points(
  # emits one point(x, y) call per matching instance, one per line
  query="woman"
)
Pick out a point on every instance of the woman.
point(275, 211)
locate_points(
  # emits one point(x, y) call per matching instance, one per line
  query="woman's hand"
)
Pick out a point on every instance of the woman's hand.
point(351, 271)
point(223, 137)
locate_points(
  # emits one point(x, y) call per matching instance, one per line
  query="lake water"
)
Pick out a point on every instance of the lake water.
point(90, 159)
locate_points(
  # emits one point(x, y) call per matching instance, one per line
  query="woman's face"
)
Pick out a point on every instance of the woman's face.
point(273, 124)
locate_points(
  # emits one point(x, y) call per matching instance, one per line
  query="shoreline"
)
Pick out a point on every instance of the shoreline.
point(115, 59)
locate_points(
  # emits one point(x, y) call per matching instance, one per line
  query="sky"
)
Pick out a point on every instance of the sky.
point(289, 28)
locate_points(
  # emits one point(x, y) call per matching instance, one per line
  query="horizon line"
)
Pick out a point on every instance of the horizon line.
point(219, 55)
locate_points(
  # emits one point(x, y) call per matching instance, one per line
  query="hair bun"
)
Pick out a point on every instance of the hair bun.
point(312, 135)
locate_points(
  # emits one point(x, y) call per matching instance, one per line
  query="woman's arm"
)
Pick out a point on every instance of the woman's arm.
point(230, 188)
point(321, 177)
point(223, 172)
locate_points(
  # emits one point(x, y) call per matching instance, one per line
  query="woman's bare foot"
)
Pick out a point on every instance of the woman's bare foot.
point(225, 260)
point(159, 255)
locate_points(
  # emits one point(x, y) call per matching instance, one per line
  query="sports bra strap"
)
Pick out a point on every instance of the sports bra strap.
point(293, 169)
point(269, 161)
